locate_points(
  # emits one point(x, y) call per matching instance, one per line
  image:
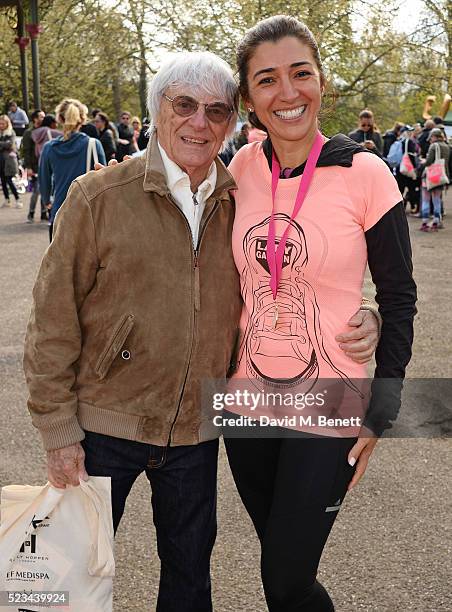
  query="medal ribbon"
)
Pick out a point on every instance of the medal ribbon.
point(275, 254)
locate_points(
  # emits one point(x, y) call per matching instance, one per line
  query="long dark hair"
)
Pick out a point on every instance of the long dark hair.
point(105, 119)
point(272, 30)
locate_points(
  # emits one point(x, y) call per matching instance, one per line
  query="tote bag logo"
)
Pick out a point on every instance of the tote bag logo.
point(29, 545)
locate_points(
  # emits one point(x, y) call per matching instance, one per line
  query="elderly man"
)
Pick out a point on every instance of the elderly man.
point(136, 302)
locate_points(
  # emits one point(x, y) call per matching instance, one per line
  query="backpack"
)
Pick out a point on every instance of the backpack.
point(395, 154)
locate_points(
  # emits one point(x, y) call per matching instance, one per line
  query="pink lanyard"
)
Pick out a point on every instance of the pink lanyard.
point(275, 255)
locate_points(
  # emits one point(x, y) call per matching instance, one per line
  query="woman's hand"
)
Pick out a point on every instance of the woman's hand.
point(360, 343)
point(360, 454)
point(112, 162)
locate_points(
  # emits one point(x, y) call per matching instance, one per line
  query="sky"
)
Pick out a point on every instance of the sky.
point(406, 20)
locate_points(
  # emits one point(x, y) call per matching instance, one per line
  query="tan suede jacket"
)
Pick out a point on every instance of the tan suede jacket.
point(127, 318)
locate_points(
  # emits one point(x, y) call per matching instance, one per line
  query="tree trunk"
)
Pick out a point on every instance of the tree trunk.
point(116, 91)
point(142, 85)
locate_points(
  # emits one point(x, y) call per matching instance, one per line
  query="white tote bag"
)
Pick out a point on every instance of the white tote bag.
point(406, 165)
point(58, 541)
point(91, 153)
point(435, 174)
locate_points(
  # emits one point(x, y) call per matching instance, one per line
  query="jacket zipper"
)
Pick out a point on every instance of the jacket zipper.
point(196, 306)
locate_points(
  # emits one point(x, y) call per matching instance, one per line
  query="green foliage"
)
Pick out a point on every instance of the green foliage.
point(102, 52)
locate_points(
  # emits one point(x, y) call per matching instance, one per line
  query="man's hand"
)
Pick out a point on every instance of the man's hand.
point(66, 466)
point(360, 343)
point(112, 162)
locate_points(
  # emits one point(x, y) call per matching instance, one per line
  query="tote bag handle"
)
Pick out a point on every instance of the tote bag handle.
point(91, 152)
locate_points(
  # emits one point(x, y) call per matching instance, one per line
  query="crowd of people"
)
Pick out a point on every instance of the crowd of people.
point(412, 153)
point(421, 146)
point(50, 170)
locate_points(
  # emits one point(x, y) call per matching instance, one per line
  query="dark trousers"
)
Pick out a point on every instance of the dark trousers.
point(183, 483)
point(410, 190)
point(34, 200)
point(7, 181)
point(292, 489)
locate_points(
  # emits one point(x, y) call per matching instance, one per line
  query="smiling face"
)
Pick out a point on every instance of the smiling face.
point(366, 124)
point(191, 142)
point(3, 125)
point(285, 89)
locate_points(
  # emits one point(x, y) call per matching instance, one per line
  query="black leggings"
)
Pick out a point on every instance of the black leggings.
point(292, 489)
point(8, 181)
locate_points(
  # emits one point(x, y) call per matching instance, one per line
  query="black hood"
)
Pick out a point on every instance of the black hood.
point(338, 151)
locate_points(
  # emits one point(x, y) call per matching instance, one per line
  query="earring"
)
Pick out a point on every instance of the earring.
point(251, 110)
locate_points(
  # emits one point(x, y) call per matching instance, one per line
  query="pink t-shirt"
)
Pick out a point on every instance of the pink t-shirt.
point(323, 269)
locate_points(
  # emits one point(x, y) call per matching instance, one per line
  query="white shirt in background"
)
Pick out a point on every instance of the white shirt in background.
point(192, 205)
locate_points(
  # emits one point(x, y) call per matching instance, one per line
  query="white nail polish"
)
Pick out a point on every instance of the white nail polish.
point(352, 461)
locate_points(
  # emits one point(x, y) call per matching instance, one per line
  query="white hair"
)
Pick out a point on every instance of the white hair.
point(200, 71)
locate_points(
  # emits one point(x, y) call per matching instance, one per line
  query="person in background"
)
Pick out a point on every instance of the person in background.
point(367, 132)
point(241, 138)
point(105, 135)
point(143, 138)
point(89, 128)
point(31, 163)
point(390, 137)
point(65, 158)
point(136, 126)
point(409, 187)
point(439, 123)
point(256, 135)
point(436, 141)
point(126, 135)
point(8, 161)
point(47, 131)
point(18, 118)
point(423, 137)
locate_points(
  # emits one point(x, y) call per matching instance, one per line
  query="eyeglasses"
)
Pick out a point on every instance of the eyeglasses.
point(184, 106)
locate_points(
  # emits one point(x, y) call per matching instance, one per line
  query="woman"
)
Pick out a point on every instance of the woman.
point(301, 276)
point(106, 137)
point(8, 161)
point(42, 135)
point(390, 136)
point(408, 186)
point(367, 132)
point(136, 125)
point(65, 158)
point(442, 149)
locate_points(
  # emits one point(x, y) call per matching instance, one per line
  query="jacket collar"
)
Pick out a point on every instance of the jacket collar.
point(155, 177)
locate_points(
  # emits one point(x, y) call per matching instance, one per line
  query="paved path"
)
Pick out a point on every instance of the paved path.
point(391, 547)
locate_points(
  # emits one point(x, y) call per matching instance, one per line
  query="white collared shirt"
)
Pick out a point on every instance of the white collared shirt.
point(192, 205)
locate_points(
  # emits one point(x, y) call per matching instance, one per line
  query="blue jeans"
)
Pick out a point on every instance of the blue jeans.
point(183, 481)
point(435, 194)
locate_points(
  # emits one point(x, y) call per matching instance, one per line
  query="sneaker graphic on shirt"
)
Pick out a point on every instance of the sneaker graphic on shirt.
point(295, 345)
point(289, 340)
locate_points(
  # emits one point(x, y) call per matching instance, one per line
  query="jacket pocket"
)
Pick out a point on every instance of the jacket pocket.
point(114, 345)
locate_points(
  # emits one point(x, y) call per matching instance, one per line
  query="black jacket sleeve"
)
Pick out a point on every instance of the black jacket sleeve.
point(390, 264)
point(108, 144)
